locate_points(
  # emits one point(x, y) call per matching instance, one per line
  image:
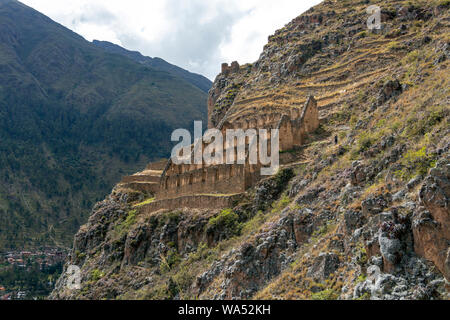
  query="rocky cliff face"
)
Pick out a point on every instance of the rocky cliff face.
point(363, 217)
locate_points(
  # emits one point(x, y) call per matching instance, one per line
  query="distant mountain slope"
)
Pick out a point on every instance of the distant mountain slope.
point(197, 80)
point(72, 117)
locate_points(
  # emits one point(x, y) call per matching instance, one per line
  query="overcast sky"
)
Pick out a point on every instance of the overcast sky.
point(197, 35)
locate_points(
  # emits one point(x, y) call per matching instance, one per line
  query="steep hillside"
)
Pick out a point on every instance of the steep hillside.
point(363, 211)
point(159, 64)
point(73, 120)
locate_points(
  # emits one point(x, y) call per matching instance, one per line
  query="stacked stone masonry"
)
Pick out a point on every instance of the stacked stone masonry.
point(213, 185)
point(190, 179)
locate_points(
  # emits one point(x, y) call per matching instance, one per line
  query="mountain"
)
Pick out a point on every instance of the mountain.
point(73, 120)
point(159, 64)
point(360, 210)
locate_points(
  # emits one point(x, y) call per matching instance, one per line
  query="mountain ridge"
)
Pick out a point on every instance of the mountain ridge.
point(74, 119)
point(199, 81)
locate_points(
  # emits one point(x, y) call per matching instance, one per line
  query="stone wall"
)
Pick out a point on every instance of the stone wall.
point(227, 70)
point(225, 179)
point(158, 166)
point(218, 179)
point(193, 201)
point(140, 178)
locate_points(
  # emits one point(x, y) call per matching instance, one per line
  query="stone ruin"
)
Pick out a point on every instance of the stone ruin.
point(227, 70)
point(215, 186)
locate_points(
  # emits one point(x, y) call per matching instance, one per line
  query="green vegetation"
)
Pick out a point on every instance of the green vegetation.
point(231, 94)
point(415, 163)
point(394, 45)
point(170, 260)
point(74, 119)
point(124, 227)
point(148, 201)
point(283, 176)
point(171, 218)
point(361, 278)
point(328, 227)
point(159, 64)
point(37, 282)
point(420, 123)
point(362, 34)
point(253, 224)
point(226, 222)
point(279, 205)
point(365, 296)
point(365, 141)
point(96, 275)
point(361, 255)
point(328, 294)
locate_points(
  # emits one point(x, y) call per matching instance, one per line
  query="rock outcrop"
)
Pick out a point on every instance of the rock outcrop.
point(432, 222)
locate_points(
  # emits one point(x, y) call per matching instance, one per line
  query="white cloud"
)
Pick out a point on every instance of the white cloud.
point(197, 35)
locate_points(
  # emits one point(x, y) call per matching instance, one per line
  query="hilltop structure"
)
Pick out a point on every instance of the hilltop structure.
point(216, 185)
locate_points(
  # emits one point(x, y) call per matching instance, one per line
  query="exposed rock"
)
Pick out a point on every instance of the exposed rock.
point(268, 191)
point(324, 265)
point(413, 183)
point(353, 220)
point(358, 174)
point(432, 226)
point(298, 186)
point(374, 205)
point(391, 251)
point(390, 89)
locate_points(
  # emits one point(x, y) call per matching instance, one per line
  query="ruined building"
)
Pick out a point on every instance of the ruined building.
point(215, 185)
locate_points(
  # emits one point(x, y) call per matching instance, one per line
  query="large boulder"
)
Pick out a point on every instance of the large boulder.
point(390, 89)
point(431, 225)
point(324, 265)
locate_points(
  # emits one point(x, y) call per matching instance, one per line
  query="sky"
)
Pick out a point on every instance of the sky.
point(197, 35)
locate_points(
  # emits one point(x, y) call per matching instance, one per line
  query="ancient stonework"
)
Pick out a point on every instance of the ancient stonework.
point(230, 179)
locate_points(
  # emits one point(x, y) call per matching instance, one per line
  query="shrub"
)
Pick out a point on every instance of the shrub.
point(201, 253)
point(362, 34)
point(96, 275)
point(361, 278)
point(281, 204)
point(420, 124)
point(226, 222)
point(365, 141)
point(125, 226)
point(362, 256)
point(411, 57)
point(184, 278)
point(435, 116)
point(328, 294)
point(283, 177)
point(416, 162)
point(170, 260)
point(173, 217)
point(365, 296)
